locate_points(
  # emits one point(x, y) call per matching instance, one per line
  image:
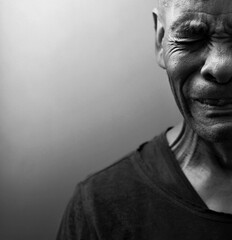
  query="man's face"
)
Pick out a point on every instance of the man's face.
point(197, 55)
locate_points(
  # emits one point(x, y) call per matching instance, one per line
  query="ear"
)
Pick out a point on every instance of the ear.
point(159, 36)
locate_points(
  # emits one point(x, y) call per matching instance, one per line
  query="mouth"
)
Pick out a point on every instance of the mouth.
point(213, 108)
point(211, 102)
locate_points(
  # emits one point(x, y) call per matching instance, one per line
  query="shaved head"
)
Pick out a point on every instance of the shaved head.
point(166, 3)
point(163, 4)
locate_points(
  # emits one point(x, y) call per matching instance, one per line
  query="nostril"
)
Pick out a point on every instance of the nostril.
point(209, 77)
point(220, 79)
point(217, 72)
point(217, 68)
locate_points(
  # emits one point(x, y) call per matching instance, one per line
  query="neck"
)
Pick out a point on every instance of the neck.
point(207, 166)
point(191, 150)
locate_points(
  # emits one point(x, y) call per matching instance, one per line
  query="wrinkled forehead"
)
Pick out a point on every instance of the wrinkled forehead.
point(215, 7)
point(211, 11)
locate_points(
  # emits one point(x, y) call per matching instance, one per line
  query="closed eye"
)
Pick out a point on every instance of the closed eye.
point(190, 44)
point(187, 41)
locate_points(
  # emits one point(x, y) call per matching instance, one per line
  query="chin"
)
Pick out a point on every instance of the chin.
point(217, 132)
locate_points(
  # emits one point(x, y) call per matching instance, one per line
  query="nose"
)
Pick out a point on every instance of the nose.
point(218, 65)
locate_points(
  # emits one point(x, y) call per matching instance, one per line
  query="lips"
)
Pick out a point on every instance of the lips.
point(215, 102)
point(213, 108)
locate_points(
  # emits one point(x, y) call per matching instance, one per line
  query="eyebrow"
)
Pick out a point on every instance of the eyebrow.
point(186, 21)
point(190, 26)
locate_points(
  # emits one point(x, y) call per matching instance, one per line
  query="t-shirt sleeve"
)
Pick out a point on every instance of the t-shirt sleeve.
point(74, 224)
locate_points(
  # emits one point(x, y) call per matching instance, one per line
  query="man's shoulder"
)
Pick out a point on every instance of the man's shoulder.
point(128, 174)
point(100, 199)
point(118, 177)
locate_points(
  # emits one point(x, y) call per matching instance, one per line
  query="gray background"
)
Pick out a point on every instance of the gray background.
point(79, 88)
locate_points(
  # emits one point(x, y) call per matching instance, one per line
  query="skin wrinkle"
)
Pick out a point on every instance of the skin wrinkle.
point(201, 26)
point(164, 5)
point(213, 14)
point(201, 69)
point(186, 20)
point(185, 155)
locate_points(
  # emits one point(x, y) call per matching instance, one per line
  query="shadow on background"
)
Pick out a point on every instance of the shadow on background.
point(80, 88)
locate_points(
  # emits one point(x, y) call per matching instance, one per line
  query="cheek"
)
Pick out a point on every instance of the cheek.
point(177, 71)
point(181, 62)
point(196, 86)
point(180, 66)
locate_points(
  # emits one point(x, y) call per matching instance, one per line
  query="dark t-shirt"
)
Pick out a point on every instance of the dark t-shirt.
point(144, 196)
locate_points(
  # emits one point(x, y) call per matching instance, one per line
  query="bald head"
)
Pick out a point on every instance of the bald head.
point(161, 7)
point(163, 4)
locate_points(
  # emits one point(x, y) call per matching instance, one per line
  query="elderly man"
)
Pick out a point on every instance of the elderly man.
point(179, 185)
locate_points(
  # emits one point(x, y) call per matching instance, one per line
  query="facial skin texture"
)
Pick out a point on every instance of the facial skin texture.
point(194, 45)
